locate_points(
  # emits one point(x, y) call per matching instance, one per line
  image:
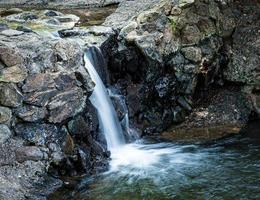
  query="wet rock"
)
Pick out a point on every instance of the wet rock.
point(66, 104)
point(5, 115)
point(10, 95)
point(31, 113)
point(5, 133)
point(192, 53)
point(29, 153)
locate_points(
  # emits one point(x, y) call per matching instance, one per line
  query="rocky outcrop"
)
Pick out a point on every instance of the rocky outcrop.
point(169, 55)
point(44, 106)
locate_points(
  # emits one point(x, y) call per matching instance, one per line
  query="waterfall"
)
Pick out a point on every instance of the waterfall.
point(108, 120)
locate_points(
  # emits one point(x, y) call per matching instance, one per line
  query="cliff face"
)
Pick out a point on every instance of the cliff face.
point(177, 57)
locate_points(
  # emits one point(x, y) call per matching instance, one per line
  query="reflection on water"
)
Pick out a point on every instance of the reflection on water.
point(229, 169)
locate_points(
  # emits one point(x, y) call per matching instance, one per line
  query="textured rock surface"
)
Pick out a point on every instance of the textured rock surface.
point(44, 86)
point(182, 49)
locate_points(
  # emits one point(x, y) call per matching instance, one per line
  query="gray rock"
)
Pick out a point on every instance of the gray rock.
point(192, 53)
point(10, 95)
point(5, 115)
point(31, 113)
point(13, 74)
point(10, 56)
point(11, 32)
point(5, 133)
point(29, 153)
point(36, 133)
point(66, 104)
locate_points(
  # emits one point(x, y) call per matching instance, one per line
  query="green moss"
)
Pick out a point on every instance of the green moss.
point(174, 24)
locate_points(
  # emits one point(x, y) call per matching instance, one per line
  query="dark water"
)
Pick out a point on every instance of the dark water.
point(226, 170)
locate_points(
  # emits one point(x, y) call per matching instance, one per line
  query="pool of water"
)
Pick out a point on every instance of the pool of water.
point(146, 170)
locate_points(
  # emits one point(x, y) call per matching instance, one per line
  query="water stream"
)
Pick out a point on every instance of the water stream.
point(153, 170)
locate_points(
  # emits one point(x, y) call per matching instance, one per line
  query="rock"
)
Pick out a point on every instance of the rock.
point(66, 104)
point(191, 35)
point(3, 27)
point(186, 3)
point(101, 30)
point(10, 95)
point(176, 11)
point(31, 113)
point(13, 74)
point(52, 13)
point(70, 55)
point(205, 134)
point(11, 11)
point(11, 32)
point(40, 88)
point(5, 115)
point(192, 53)
point(24, 29)
point(10, 56)
point(183, 102)
point(5, 133)
point(36, 133)
point(29, 153)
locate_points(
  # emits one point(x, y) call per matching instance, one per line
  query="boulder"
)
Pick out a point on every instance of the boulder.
point(37, 133)
point(29, 153)
point(5, 133)
point(5, 115)
point(66, 104)
point(10, 95)
point(31, 113)
point(13, 74)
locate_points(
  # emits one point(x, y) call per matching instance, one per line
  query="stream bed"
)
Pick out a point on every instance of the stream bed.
point(148, 170)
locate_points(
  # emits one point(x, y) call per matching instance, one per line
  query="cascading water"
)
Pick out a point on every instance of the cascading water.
point(109, 123)
point(166, 171)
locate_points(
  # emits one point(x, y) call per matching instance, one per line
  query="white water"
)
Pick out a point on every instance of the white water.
point(108, 120)
point(126, 158)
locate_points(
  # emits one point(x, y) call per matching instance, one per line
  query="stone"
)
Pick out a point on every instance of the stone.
point(186, 3)
point(69, 53)
point(37, 133)
point(176, 11)
point(24, 29)
point(31, 113)
point(3, 27)
point(191, 34)
point(10, 56)
point(66, 104)
point(52, 13)
point(10, 95)
point(5, 133)
point(13, 74)
point(192, 53)
point(5, 115)
point(11, 32)
point(29, 153)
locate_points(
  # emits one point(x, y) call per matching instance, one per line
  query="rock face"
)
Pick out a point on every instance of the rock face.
point(176, 52)
point(46, 119)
